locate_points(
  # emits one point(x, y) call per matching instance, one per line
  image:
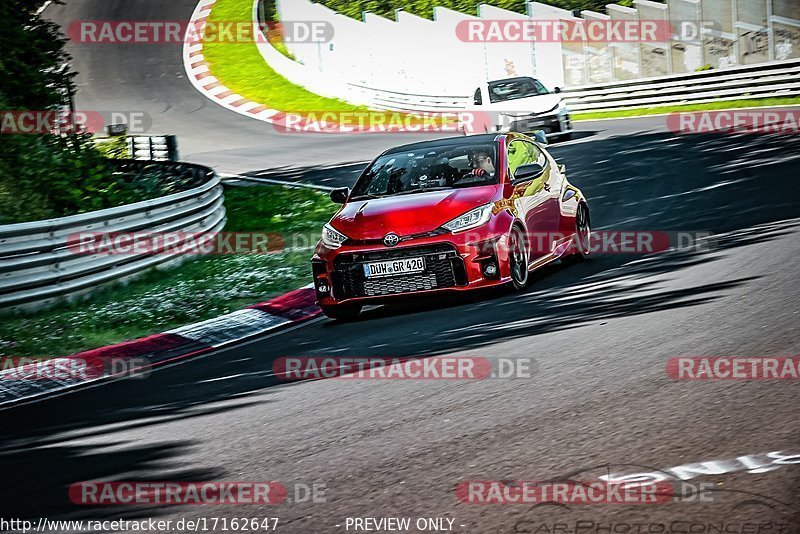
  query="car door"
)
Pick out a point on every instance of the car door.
point(535, 200)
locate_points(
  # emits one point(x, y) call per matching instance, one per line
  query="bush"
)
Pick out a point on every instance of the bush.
point(424, 8)
point(44, 176)
point(113, 147)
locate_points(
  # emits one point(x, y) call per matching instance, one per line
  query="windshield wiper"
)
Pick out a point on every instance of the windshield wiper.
point(422, 190)
point(366, 197)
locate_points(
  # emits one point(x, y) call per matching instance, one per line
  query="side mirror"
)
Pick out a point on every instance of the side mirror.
point(540, 137)
point(557, 90)
point(340, 194)
point(527, 172)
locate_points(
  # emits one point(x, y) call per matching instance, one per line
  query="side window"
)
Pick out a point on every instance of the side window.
point(541, 89)
point(526, 88)
point(478, 97)
point(521, 153)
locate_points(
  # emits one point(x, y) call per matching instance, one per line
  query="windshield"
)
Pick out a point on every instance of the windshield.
point(427, 169)
point(503, 90)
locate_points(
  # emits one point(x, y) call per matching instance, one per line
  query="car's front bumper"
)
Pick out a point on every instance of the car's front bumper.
point(455, 262)
point(551, 124)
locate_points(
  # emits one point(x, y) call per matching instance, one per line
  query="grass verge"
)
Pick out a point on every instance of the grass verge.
point(241, 68)
point(201, 289)
point(730, 104)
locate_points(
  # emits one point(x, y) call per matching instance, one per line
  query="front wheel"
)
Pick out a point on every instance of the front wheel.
point(342, 312)
point(518, 258)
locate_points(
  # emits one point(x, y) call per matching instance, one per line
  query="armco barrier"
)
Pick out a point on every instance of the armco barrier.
point(409, 102)
point(38, 269)
point(763, 80)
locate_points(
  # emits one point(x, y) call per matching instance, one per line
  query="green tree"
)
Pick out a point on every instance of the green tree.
point(33, 54)
point(41, 175)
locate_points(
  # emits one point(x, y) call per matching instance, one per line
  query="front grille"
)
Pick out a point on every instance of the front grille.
point(400, 284)
point(409, 237)
point(443, 268)
point(547, 123)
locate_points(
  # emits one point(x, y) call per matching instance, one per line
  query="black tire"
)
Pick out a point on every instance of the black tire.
point(518, 258)
point(582, 243)
point(342, 312)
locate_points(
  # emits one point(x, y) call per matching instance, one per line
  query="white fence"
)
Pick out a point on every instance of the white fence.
point(39, 266)
point(370, 59)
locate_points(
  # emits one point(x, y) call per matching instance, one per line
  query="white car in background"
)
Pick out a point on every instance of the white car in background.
point(523, 105)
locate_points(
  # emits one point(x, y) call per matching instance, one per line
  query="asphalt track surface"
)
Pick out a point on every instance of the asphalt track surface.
point(600, 334)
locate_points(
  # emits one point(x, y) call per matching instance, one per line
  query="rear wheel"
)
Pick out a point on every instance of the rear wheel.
point(342, 312)
point(581, 244)
point(518, 258)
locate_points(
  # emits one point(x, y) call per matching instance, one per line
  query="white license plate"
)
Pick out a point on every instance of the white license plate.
point(392, 267)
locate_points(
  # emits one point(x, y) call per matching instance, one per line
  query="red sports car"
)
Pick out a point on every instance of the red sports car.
point(448, 215)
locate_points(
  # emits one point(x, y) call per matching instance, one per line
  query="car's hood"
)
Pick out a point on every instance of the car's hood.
point(526, 106)
point(408, 214)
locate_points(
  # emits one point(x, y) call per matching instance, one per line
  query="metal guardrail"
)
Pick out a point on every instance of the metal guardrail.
point(409, 102)
point(763, 80)
point(234, 179)
point(38, 267)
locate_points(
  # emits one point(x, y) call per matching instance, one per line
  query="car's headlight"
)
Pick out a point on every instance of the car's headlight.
point(471, 219)
point(332, 238)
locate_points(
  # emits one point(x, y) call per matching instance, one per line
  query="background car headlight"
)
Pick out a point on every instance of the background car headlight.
point(471, 219)
point(331, 238)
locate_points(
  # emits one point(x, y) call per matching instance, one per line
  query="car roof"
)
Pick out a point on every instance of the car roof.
point(517, 79)
point(477, 139)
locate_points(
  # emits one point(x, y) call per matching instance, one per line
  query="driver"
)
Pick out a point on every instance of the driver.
point(481, 162)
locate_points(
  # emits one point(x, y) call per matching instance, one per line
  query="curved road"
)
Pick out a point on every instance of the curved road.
point(150, 78)
point(600, 333)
